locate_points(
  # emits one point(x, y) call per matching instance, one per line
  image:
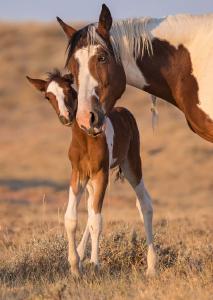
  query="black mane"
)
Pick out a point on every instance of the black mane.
point(77, 37)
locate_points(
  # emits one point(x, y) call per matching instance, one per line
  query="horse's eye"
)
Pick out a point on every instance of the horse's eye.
point(46, 97)
point(102, 58)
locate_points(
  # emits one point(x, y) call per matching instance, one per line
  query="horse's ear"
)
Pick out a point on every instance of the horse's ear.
point(69, 30)
point(105, 21)
point(39, 84)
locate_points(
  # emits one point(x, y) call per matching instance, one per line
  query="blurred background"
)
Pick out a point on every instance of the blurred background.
point(89, 10)
point(34, 167)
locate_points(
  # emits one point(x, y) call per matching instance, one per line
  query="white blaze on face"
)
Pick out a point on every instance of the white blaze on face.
point(87, 82)
point(109, 133)
point(56, 90)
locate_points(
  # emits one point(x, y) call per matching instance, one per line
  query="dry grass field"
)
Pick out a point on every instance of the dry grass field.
point(34, 180)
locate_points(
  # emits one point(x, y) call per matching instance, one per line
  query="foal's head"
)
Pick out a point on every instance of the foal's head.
point(59, 92)
point(100, 78)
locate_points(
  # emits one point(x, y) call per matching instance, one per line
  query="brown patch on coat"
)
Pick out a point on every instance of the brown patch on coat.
point(169, 75)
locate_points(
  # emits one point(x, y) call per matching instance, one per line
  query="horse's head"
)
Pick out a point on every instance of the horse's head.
point(100, 78)
point(59, 92)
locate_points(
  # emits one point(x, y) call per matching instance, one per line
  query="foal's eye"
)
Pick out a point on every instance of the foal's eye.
point(102, 58)
point(46, 97)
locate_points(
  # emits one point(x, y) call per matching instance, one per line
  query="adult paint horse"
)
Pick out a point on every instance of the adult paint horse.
point(170, 58)
point(91, 157)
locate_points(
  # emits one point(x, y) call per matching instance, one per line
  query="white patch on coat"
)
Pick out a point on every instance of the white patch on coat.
point(134, 75)
point(109, 133)
point(87, 82)
point(195, 33)
point(83, 244)
point(71, 212)
point(56, 90)
point(95, 227)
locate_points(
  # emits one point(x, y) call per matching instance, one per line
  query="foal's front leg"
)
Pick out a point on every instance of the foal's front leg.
point(75, 193)
point(83, 244)
point(98, 188)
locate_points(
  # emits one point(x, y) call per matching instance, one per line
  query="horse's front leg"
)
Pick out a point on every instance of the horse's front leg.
point(97, 189)
point(75, 193)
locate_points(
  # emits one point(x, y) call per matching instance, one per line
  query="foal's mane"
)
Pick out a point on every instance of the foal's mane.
point(55, 74)
point(132, 36)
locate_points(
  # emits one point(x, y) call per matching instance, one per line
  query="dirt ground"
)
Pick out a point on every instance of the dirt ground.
point(34, 181)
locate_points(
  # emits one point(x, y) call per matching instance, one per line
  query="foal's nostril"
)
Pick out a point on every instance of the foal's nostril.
point(63, 119)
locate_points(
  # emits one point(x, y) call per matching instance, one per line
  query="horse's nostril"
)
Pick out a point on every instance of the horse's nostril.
point(93, 119)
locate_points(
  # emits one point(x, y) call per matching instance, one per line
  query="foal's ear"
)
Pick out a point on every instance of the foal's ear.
point(39, 84)
point(105, 21)
point(69, 30)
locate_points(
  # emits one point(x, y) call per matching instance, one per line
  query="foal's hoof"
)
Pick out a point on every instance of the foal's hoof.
point(150, 273)
point(76, 273)
point(76, 269)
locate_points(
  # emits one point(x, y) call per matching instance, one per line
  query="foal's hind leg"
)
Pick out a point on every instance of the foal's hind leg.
point(98, 185)
point(144, 205)
point(132, 172)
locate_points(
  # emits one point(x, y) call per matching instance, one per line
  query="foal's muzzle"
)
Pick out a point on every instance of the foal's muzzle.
point(65, 121)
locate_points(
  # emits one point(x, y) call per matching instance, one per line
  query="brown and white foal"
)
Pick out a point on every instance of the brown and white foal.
point(91, 158)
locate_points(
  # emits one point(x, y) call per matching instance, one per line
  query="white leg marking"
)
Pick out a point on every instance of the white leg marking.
point(95, 227)
point(144, 205)
point(71, 226)
point(83, 244)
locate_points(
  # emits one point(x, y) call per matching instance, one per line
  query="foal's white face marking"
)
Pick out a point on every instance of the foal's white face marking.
point(87, 82)
point(56, 90)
